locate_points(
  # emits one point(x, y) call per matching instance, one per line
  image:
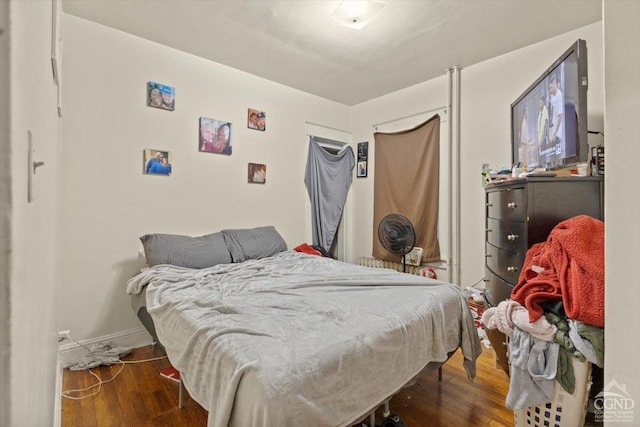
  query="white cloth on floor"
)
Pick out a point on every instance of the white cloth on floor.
point(102, 353)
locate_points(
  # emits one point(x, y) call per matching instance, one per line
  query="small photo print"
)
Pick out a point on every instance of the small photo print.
point(362, 169)
point(161, 96)
point(256, 119)
point(257, 173)
point(156, 162)
point(215, 136)
point(363, 154)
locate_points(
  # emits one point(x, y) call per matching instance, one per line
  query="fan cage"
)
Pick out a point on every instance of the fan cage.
point(396, 234)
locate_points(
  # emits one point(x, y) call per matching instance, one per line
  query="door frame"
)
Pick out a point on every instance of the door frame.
point(5, 214)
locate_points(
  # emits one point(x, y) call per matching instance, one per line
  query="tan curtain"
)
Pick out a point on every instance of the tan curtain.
point(407, 171)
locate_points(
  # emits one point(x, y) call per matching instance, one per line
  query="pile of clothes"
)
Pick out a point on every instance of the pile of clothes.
point(556, 312)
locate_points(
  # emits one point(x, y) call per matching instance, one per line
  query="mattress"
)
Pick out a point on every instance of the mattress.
point(296, 339)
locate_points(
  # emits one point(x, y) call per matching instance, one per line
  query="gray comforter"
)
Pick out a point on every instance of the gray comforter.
point(299, 340)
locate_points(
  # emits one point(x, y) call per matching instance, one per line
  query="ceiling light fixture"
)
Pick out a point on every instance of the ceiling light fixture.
point(356, 13)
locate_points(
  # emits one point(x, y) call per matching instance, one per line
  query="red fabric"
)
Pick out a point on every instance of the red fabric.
point(305, 248)
point(573, 262)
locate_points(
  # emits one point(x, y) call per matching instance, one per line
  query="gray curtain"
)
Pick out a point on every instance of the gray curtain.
point(328, 178)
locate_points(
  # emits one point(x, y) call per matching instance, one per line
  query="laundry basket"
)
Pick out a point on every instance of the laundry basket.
point(564, 410)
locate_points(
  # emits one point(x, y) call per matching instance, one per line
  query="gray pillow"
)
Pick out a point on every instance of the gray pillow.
point(253, 243)
point(185, 251)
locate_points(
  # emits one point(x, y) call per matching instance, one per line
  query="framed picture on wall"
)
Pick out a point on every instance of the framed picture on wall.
point(257, 173)
point(363, 154)
point(362, 170)
point(215, 136)
point(256, 119)
point(161, 96)
point(156, 162)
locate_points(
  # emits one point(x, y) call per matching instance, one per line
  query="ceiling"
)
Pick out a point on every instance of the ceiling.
point(298, 44)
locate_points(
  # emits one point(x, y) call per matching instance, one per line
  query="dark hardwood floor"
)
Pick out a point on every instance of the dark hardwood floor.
point(139, 396)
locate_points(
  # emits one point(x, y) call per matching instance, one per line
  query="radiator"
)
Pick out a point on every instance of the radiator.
point(379, 263)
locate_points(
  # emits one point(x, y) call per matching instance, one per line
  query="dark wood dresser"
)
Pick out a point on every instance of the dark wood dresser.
point(522, 212)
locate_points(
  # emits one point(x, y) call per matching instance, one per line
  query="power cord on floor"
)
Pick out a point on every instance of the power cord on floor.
point(66, 393)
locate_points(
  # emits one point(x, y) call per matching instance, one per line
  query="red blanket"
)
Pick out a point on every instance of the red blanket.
point(572, 260)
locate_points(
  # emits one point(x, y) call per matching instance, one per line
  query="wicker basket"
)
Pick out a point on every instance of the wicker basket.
point(565, 410)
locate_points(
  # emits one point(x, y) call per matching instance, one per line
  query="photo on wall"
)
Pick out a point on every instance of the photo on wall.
point(215, 136)
point(257, 173)
point(256, 119)
point(362, 169)
point(156, 162)
point(363, 154)
point(161, 96)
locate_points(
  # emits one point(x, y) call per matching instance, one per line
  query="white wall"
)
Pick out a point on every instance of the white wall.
point(622, 201)
point(487, 91)
point(33, 271)
point(106, 201)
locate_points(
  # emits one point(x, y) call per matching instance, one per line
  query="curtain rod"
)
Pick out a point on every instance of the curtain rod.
point(433, 110)
point(327, 127)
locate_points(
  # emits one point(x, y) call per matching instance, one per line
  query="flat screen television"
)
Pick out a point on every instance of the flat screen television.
point(549, 120)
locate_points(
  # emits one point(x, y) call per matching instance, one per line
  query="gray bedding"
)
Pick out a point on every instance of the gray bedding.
point(294, 339)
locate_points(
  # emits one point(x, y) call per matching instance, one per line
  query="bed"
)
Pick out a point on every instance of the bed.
point(292, 339)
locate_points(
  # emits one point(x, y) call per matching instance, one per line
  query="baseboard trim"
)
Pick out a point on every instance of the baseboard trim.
point(70, 352)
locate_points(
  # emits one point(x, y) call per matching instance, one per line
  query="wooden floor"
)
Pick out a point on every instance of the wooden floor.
point(139, 396)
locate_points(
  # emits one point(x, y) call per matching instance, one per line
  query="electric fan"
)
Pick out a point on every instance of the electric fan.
point(397, 235)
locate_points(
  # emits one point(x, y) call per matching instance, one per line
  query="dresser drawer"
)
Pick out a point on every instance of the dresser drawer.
point(495, 289)
point(507, 235)
point(508, 203)
point(505, 264)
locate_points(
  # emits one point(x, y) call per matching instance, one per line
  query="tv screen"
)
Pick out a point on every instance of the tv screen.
point(549, 120)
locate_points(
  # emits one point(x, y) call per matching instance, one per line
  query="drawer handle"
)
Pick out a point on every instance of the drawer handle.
point(489, 205)
point(511, 269)
point(487, 256)
point(488, 230)
point(512, 237)
point(486, 280)
point(511, 205)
